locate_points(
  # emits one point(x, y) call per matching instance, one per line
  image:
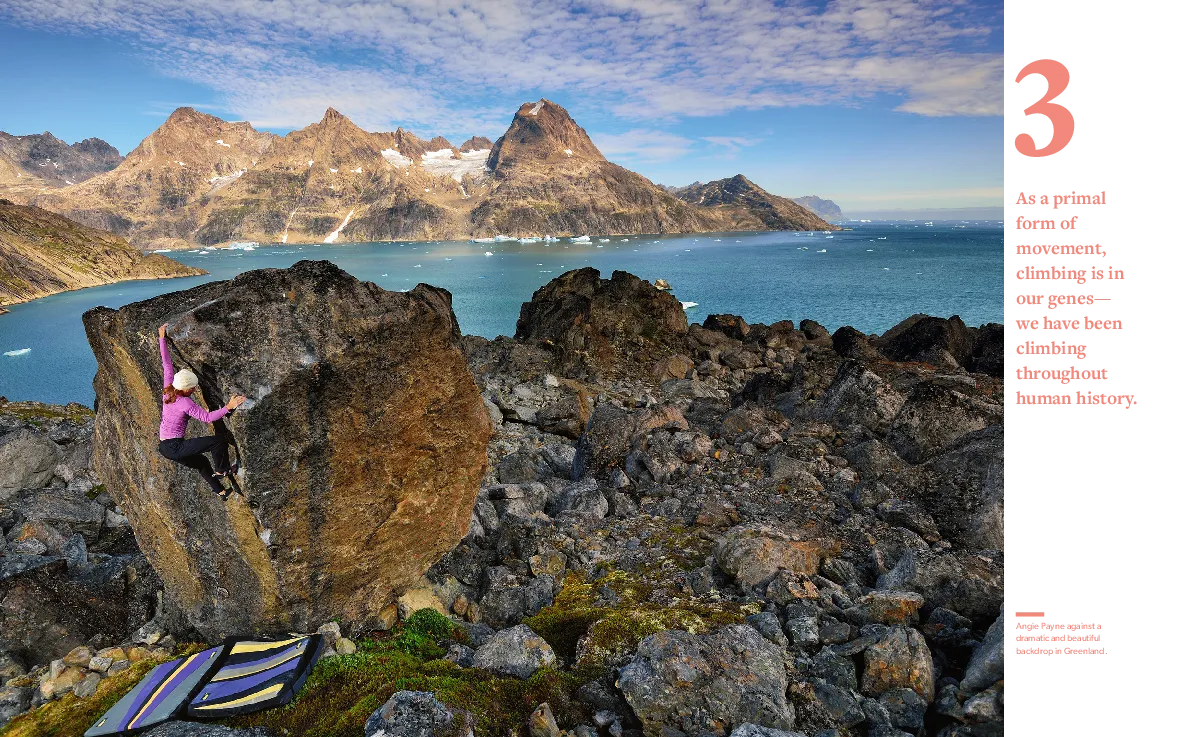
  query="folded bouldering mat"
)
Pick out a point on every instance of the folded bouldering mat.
point(252, 675)
point(161, 695)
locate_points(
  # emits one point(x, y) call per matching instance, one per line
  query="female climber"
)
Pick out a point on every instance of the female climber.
point(176, 407)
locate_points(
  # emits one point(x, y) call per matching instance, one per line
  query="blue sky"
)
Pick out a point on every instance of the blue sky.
point(876, 104)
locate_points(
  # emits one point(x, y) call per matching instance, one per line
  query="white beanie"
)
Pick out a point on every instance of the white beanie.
point(185, 379)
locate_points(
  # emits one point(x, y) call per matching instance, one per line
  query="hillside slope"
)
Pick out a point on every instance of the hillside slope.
point(749, 204)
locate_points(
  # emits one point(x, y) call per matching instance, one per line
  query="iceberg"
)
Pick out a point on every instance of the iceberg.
point(581, 239)
point(688, 305)
point(18, 352)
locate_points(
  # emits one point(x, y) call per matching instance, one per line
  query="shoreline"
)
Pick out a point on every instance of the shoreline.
point(5, 305)
point(224, 246)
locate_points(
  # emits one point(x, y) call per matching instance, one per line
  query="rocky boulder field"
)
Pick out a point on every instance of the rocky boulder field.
point(718, 529)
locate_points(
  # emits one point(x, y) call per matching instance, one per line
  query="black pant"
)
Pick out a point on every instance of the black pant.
point(190, 454)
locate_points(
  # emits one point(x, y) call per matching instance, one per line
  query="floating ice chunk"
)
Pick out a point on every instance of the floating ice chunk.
point(483, 240)
point(242, 246)
point(822, 251)
point(162, 250)
point(688, 305)
point(334, 235)
point(417, 266)
point(18, 352)
point(581, 239)
point(603, 240)
point(203, 251)
point(219, 142)
point(503, 238)
point(488, 253)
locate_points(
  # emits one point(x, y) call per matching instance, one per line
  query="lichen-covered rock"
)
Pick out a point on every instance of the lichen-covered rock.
point(517, 651)
point(363, 443)
point(900, 659)
point(417, 714)
point(752, 554)
point(707, 683)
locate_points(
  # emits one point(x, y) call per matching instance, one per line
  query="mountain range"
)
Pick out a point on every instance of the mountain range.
point(200, 180)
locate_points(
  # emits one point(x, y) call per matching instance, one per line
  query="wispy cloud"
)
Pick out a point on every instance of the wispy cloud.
point(643, 146)
point(732, 144)
point(281, 63)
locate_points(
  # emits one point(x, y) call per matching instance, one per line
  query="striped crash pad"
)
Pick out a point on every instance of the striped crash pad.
point(254, 675)
point(159, 696)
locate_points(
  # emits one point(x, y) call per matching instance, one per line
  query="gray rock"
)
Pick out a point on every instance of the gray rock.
point(461, 655)
point(478, 633)
point(507, 602)
point(908, 515)
point(797, 473)
point(518, 500)
point(698, 683)
point(803, 630)
point(987, 665)
point(10, 667)
point(963, 583)
point(581, 499)
point(900, 659)
point(13, 702)
point(857, 396)
point(906, 708)
point(522, 466)
point(86, 688)
point(842, 704)
point(755, 730)
point(770, 627)
point(517, 652)
point(936, 415)
point(417, 714)
point(27, 461)
point(984, 707)
point(835, 669)
point(61, 507)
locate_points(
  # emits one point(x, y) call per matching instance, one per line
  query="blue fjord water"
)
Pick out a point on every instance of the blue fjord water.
point(871, 278)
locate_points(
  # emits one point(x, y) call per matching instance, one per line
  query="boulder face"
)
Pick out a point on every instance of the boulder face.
point(363, 443)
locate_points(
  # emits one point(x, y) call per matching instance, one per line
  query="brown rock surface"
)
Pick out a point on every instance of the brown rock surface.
point(363, 442)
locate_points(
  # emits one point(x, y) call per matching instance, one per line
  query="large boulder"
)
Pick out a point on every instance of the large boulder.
point(364, 443)
point(602, 320)
point(930, 340)
point(705, 684)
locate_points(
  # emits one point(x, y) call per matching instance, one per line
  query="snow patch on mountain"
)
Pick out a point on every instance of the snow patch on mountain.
point(443, 163)
point(334, 235)
point(394, 157)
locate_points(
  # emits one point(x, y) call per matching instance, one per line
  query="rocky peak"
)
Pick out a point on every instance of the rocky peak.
point(476, 143)
point(50, 159)
point(542, 132)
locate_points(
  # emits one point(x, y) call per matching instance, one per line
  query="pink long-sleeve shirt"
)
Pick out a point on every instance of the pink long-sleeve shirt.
point(174, 414)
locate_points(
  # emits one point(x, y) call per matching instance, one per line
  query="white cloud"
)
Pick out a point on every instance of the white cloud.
point(642, 146)
point(282, 62)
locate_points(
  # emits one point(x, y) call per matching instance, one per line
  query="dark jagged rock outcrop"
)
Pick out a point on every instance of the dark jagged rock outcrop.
point(946, 343)
point(363, 441)
point(600, 321)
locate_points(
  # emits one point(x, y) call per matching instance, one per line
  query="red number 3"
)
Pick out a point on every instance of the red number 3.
point(1060, 117)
